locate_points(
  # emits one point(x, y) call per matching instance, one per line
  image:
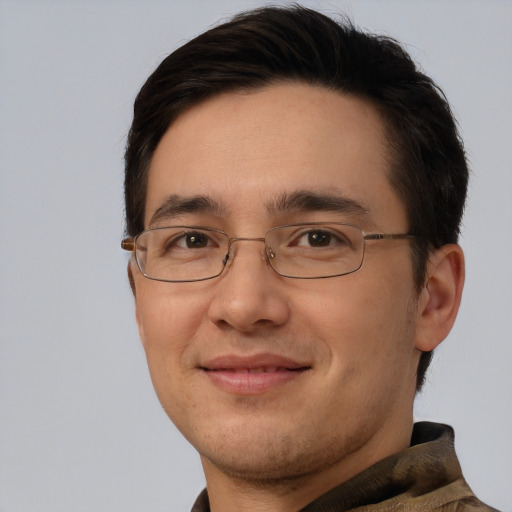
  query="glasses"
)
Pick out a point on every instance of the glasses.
point(314, 250)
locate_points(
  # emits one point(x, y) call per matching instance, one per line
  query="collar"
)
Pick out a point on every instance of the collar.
point(424, 476)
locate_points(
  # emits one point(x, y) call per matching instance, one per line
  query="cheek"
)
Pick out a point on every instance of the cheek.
point(365, 322)
point(167, 318)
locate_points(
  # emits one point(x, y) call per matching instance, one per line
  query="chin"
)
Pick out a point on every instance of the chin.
point(259, 468)
point(274, 455)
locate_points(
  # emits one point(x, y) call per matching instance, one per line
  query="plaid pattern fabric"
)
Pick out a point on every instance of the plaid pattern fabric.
point(426, 477)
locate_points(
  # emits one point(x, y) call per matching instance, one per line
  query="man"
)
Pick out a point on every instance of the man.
point(294, 190)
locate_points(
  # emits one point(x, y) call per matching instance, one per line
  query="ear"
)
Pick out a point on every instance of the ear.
point(140, 326)
point(440, 297)
point(131, 279)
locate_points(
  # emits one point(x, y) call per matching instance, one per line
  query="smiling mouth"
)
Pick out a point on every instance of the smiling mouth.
point(253, 379)
point(261, 369)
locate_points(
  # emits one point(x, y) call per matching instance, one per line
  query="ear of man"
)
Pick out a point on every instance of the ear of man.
point(440, 297)
point(131, 279)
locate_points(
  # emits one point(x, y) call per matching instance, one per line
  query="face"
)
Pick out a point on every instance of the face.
point(271, 377)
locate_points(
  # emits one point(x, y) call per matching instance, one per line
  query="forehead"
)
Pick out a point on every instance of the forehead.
point(245, 149)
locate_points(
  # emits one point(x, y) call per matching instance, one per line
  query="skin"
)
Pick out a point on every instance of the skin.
point(278, 444)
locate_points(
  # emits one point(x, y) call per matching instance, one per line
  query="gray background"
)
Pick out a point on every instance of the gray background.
point(80, 428)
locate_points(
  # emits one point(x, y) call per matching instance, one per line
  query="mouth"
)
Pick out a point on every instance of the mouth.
point(252, 375)
point(260, 369)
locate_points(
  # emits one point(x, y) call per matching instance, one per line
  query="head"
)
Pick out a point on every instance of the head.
point(427, 167)
point(229, 132)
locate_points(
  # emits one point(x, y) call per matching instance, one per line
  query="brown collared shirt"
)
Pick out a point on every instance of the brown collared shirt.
point(425, 477)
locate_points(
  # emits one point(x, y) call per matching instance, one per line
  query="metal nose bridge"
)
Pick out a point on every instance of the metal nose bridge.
point(268, 250)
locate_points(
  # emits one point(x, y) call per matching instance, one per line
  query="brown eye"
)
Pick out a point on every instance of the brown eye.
point(195, 240)
point(319, 238)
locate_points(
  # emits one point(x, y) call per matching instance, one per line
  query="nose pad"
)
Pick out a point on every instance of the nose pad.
point(270, 252)
point(230, 255)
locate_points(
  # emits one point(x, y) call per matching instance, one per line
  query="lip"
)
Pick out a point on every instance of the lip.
point(252, 375)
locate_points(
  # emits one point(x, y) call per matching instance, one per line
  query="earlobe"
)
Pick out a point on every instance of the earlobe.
point(440, 298)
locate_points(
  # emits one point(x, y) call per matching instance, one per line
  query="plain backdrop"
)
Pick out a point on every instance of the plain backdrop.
point(80, 427)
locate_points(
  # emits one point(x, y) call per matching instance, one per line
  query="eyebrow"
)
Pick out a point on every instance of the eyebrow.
point(296, 202)
point(309, 201)
point(175, 205)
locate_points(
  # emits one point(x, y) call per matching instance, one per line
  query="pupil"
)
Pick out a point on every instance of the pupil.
point(196, 240)
point(319, 238)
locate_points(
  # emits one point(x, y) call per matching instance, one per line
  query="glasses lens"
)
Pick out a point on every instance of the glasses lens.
point(311, 251)
point(181, 253)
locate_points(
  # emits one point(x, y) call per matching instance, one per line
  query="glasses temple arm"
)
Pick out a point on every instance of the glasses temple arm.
point(128, 244)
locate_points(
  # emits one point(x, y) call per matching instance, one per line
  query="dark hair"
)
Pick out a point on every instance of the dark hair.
point(428, 167)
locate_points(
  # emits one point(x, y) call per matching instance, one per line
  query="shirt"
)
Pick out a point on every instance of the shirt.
point(424, 477)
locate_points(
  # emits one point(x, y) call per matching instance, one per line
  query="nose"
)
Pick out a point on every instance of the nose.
point(249, 295)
